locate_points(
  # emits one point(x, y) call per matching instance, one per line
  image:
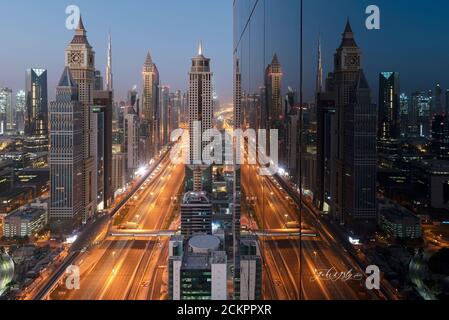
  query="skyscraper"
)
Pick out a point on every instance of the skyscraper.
point(98, 80)
point(404, 110)
point(131, 127)
point(80, 58)
point(20, 111)
point(175, 110)
point(109, 77)
point(200, 115)
point(437, 102)
point(347, 65)
point(66, 156)
point(237, 96)
point(389, 104)
point(102, 114)
point(446, 109)
point(420, 116)
point(273, 85)
point(347, 140)
point(36, 120)
point(440, 136)
point(150, 106)
point(5, 109)
point(360, 206)
point(164, 112)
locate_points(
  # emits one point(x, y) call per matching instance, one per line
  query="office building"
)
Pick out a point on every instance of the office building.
point(102, 118)
point(80, 58)
point(197, 269)
point(360, 205)
point(389, 106)
point(437, 100)
point(150, 108)
point(250, 269)
point(404, 110)
point(20, 111)
point(440, 136)
point(164, 112)
point(66, 156)
point(98, 85)
point(200, 119)
point(132, 140)
point(26, 221)
point(196, 214)
point(36, 119)
point(7, 121)
point(399, 223)
point(420, 115)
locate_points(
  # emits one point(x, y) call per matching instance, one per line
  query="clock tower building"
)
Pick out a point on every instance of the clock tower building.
point(347, 65)
point(80, 58)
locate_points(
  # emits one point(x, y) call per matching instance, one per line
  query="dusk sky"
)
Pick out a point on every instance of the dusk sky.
point(413, 39)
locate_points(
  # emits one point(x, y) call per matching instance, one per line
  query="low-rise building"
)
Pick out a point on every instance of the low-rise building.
point(26, 221)
point(399, 223)
point(197, 271)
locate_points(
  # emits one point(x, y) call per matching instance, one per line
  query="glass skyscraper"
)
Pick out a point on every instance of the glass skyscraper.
point(36, 117)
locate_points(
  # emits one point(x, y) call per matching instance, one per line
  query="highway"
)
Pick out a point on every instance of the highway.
point(273, 209)
point(131, 269)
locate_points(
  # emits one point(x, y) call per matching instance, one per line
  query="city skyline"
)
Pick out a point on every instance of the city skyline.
point(384, 50)
point(325, 176)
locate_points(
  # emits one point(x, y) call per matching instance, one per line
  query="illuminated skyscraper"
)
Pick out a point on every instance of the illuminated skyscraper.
point(150, 106)
point(237, 96)
point(437, 102)
point(273, 85)
point(164, 112)
point(20, 111)
point(389, 104)
point(200, 115)
point(347, 66)
point(66, 156)
point(36, 120)
point(80, 58)
point(109, 77)
point(5, 110)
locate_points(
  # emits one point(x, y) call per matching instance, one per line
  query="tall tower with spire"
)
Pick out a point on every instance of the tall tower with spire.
point(353, 172)
point(80, 59)
point(150, 106)
point(273, 85)
point(109, 77)
point(200, 111)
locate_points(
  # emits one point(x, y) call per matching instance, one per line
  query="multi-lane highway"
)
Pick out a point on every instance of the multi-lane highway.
point(132, 269)
point(273, 210)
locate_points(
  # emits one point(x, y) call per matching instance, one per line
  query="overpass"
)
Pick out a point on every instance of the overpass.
point(275, 233)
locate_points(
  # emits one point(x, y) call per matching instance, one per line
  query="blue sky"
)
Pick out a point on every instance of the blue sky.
point(413, 39)
point(34, 34)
